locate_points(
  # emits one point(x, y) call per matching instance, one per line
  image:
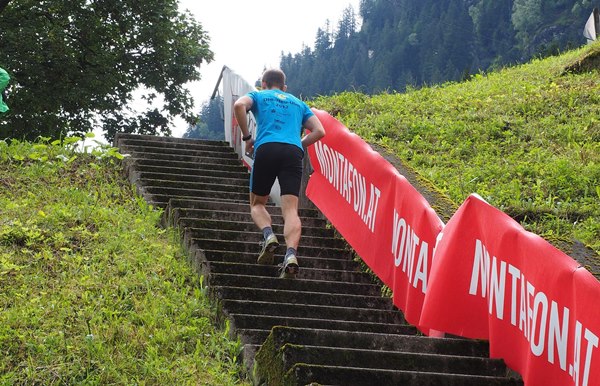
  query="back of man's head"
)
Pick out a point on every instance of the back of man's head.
point(274, 78)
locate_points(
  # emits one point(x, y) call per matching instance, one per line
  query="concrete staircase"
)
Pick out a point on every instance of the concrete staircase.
point(330, 325)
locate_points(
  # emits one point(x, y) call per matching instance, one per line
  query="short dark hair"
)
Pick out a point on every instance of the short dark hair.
point(274, 77)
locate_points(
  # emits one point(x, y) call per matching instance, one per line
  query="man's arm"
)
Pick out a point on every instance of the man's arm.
point(317, 131)
point(240, 109)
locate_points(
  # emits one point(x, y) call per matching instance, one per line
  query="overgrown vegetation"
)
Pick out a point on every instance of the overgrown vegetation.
point(526, 138)
point(92, 291)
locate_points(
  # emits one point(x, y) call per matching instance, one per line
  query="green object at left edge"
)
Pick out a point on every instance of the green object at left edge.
point(4, 78)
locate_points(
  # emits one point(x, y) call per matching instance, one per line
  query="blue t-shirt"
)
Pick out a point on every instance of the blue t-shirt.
point(279, 117)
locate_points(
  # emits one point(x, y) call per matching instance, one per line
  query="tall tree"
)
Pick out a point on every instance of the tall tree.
point(526, 18)
point(76, 64)
point(347, 24)
point(210, 124)
point(494, 33)
point(323, 40)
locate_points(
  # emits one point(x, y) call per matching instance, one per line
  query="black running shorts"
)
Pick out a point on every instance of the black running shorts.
point(277, 160)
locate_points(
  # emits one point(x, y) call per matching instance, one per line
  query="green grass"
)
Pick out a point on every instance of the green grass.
point(92, 290)
point(526, 138)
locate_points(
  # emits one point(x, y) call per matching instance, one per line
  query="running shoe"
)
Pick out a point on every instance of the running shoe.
point(267, 250)
point(290, 267)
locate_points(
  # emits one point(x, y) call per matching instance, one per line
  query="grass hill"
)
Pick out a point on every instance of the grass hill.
point(525, 138)
point(92, 290)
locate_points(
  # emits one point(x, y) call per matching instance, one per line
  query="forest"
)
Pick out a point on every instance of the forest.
point(395, 45)
point(392, 45)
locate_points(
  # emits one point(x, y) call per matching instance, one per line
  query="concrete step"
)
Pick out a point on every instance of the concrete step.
point(226, 214)
point(221, 280)
point(375, 341)
point(253, 246)
point(193, 179)
point(331, 324)
point(235, 268)
point(392, 360)
point(162, 200)
point(163, 194)
point(149, 164)
point(348, 359)
point(237, 207)
point(121, 138)
point(306, 374)
point(312, 311)
point(307, 262)
point(253, 235)
point(266, 322)
point(204, 170)
point(209, 183)
point(249, 226)
point(196, 151)
point(308, 297)
point(201, 158)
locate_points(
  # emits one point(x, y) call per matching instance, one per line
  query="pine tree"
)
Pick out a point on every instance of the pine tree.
point(210, 124)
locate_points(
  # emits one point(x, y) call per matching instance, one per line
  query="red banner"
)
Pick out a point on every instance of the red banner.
point(379, 213)
point(537, 307)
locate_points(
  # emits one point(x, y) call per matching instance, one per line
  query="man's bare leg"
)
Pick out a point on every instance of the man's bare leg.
point(258, 211)
point(292, 230)
point(262, 219)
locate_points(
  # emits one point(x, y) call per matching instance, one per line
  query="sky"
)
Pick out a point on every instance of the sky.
point(248, 36)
